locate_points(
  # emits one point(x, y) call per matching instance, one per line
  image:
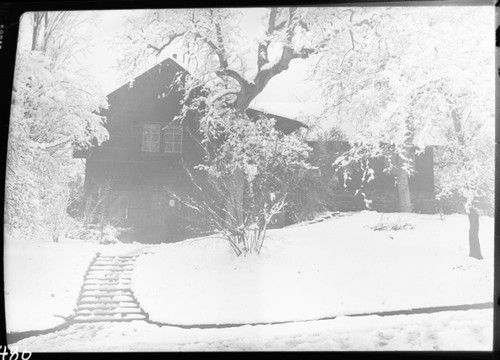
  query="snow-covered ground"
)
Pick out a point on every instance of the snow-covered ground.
point(336, 267)
point(43, 279)
point(307, 271)
point(464, 330)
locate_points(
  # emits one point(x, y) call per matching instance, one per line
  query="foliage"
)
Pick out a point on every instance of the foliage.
point(269, 165)
point(410, 86)
point(53, 110)
point(468, 166)
point(381, 226)
point(105, 235)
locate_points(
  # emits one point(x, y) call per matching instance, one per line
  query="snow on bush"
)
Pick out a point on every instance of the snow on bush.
point(336, 267)
point(249, 178)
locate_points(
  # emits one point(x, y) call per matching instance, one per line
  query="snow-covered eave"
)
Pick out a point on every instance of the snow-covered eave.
point(278, 114)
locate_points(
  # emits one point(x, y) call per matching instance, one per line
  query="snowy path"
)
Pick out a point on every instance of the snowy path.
point(458, 330)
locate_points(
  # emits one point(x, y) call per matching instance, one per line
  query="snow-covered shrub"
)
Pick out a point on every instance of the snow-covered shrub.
point(90, 233)
point(109, 235)
point(392, 224)
point(249, 177)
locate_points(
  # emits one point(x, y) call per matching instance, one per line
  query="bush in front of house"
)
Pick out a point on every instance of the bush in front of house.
point(105, 235)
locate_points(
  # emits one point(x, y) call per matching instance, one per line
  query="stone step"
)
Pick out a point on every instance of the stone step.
point(96, 300)
point(112, 297)
point(118, 260)
point(115, 283)
point(117, 266)
point(108, 306)
point(109, 311)
point(116, 317)
point(97, 293)
point(107, 280)
point(112, 315)
point(106, 294)
point(108, 270)
point(114, 263)
point(106, 287)
point(109, 276)
point(101, 282)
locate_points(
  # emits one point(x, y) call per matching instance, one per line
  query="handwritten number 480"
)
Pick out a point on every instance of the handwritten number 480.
point(12, 353)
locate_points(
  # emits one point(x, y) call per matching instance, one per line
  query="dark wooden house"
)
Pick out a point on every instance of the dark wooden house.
point(148, 151)
point(146, 157)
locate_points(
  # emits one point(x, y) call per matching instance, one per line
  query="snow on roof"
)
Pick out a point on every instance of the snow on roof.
point(288, 109)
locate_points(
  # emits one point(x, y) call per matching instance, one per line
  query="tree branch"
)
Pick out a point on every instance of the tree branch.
point(236, 93)
point(161, 48)
point(233, 74)
point(220, 53)
point(262, 51)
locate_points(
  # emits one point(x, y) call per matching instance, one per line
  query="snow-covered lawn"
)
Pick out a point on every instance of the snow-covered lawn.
point(43, 279)
point(464, 330)
point(336, 267)
point(306, 272)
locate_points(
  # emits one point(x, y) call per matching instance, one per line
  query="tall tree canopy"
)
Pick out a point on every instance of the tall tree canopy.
point(405, 86)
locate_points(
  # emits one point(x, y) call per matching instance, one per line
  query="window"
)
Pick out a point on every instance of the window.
point(151, 137)
point(173, 138)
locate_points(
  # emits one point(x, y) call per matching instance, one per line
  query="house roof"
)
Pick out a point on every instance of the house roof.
point(285, 123)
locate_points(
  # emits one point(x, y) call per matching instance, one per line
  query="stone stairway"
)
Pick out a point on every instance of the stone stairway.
point(106, 294)
point(323, 217)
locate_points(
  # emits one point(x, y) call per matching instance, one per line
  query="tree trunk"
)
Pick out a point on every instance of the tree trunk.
point(34, 34)
point(474, 246)
point(404, 197)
